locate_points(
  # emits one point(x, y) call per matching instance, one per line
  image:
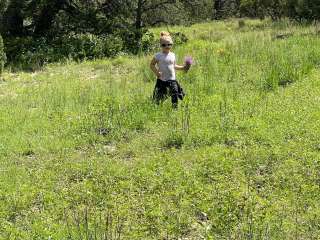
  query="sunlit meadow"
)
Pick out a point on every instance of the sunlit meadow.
point(86, 155)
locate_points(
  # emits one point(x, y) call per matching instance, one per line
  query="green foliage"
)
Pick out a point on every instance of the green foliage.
point(27, 52)
point(89, 46)
point(36, 31)
point(175, 139)
point(276, 9)
point(304, 9)
point(86, 155)
point(149, 42)
point(34, 53)
point(179, 38)
point(132, 39)
point(249, 8)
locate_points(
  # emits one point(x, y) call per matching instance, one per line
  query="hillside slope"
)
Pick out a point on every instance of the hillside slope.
point(84, 154)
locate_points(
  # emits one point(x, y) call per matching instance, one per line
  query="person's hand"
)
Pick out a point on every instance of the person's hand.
point(159, 75)
point(188, 61)
point(187, 67)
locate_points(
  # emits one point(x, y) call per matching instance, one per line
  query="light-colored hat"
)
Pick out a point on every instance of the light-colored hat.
point(165, 36)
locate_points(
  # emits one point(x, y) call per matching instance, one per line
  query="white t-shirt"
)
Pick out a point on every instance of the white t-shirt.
point(166, 63)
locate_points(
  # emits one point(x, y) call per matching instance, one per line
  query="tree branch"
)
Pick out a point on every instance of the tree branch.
point(154, 7)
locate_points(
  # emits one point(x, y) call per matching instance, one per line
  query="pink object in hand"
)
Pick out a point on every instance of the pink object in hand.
point(188, 62)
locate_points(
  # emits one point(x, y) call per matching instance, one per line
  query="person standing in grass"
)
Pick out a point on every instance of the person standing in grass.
point(164, 66)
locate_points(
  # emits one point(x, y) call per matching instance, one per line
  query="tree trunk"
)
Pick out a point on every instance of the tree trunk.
point(217, 9)
point(138, 23)
point(238, 4)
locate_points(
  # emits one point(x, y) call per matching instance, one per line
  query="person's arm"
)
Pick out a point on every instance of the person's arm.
point(154, 69)
point(179, 67)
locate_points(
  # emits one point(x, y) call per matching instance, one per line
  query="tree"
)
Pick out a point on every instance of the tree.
point(13, 18)
point(133, 17)
point(195, 10)
point(303, 9)
point(2, 56)
point(3, 7)
point(137, 12)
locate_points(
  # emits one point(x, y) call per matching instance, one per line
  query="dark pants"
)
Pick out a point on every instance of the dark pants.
point(161, 91)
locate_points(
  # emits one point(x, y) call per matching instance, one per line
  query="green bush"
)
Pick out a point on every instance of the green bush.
point(89, 46)
point(30, 53)
point(149, 42)
point(2, 56)
point(132, 39)
point(179, 38)
point(136, 41)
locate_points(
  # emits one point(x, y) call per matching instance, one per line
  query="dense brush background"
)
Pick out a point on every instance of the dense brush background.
point(37, 32)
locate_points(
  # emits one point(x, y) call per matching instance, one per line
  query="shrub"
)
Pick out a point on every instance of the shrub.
point(138, 41)
point(241, 23)
point(31, 53)
point(149, 42)
point(88, 46)
point(174, 140)
point(179, 38)
point(2, 56)
point(281, 74)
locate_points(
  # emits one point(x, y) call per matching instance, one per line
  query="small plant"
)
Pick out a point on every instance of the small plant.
point(174, 140)
point(92, 224)
point(179, 38)
point(282, 73)
point(241, 23)
point(221, 52)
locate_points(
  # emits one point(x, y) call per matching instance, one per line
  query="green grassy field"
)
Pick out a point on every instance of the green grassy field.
point(84, 154)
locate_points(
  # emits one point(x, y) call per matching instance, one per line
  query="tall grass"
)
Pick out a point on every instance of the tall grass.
point(86, 155)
